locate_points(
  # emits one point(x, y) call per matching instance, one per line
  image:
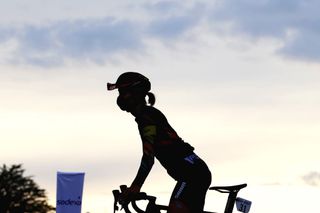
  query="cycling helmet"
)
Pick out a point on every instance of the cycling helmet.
point(132, 81)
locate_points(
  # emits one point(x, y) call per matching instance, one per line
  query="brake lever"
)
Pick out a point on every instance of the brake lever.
point(116, 195)
point(124, 204)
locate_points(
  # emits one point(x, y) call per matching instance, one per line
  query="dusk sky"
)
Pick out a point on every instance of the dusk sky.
point(238, 79)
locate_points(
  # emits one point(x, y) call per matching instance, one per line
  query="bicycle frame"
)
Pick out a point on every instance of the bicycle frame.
point(152, 207)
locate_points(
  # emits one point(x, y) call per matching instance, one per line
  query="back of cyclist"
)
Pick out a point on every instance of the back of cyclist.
point(160, 140)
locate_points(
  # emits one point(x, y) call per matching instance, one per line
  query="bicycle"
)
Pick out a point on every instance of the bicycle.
point(242, 205)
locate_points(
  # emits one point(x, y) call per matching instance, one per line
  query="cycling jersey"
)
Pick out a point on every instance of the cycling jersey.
point(159, 140)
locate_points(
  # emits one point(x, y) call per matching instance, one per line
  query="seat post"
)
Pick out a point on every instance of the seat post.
point(231, 200)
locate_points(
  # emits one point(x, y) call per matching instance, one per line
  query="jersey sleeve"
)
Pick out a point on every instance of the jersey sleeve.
point(148, 136)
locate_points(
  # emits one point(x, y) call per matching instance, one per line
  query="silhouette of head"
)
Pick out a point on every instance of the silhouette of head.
point(133, 88)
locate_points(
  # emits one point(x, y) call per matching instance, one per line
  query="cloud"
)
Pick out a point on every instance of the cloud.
point(173, 19)
point(312, 178)
point(295, 22)
point(305, 46)
point(171, 27)
point(93, 39)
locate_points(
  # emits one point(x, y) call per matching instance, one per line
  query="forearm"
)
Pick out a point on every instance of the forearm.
point(144, 170)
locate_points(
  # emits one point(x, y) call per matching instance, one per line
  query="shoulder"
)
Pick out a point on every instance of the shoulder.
point(151, 115)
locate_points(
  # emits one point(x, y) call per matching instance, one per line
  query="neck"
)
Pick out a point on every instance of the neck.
point(137, 110)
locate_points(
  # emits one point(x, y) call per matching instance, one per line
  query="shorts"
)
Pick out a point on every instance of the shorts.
point(194, 181)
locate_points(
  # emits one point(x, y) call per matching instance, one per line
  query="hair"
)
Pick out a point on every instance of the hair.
point(151, 98)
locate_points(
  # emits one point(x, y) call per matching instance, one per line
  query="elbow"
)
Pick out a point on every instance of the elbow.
point(149, 160)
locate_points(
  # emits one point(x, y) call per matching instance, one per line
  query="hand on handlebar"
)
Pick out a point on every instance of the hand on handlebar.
point(128, 194)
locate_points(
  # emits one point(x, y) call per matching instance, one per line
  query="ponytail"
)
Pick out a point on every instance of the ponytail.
point(151, 98)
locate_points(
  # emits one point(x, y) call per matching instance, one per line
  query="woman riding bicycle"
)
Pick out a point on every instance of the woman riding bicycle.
point(160, 140)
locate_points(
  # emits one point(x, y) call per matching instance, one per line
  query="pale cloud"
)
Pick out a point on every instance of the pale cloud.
point(95, 40)
point(173, 18)
point(295, 23)
point(83, 39)
point(304, 45)
point(171, 27)
point(312, 178)
point(99, 38)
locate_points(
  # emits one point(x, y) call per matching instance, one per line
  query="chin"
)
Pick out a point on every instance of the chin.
point(126, 110)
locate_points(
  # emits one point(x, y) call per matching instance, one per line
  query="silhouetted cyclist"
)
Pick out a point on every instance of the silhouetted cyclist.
point(160, 140)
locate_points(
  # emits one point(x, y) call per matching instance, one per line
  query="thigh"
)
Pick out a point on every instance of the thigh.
point(177, 206)
point(189, 195)
point(192, 186)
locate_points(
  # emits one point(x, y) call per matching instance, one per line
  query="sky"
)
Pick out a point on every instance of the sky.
point(239, 80)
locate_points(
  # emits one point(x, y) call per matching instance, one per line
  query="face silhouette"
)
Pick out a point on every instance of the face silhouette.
point(126, 100)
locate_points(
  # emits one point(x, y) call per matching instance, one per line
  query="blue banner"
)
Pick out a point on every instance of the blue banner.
point(69, 192)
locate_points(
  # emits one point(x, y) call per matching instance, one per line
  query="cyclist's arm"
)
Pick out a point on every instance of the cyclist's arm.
point(148, 136)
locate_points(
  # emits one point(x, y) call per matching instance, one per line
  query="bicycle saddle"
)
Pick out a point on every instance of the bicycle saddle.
point(227, 189)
